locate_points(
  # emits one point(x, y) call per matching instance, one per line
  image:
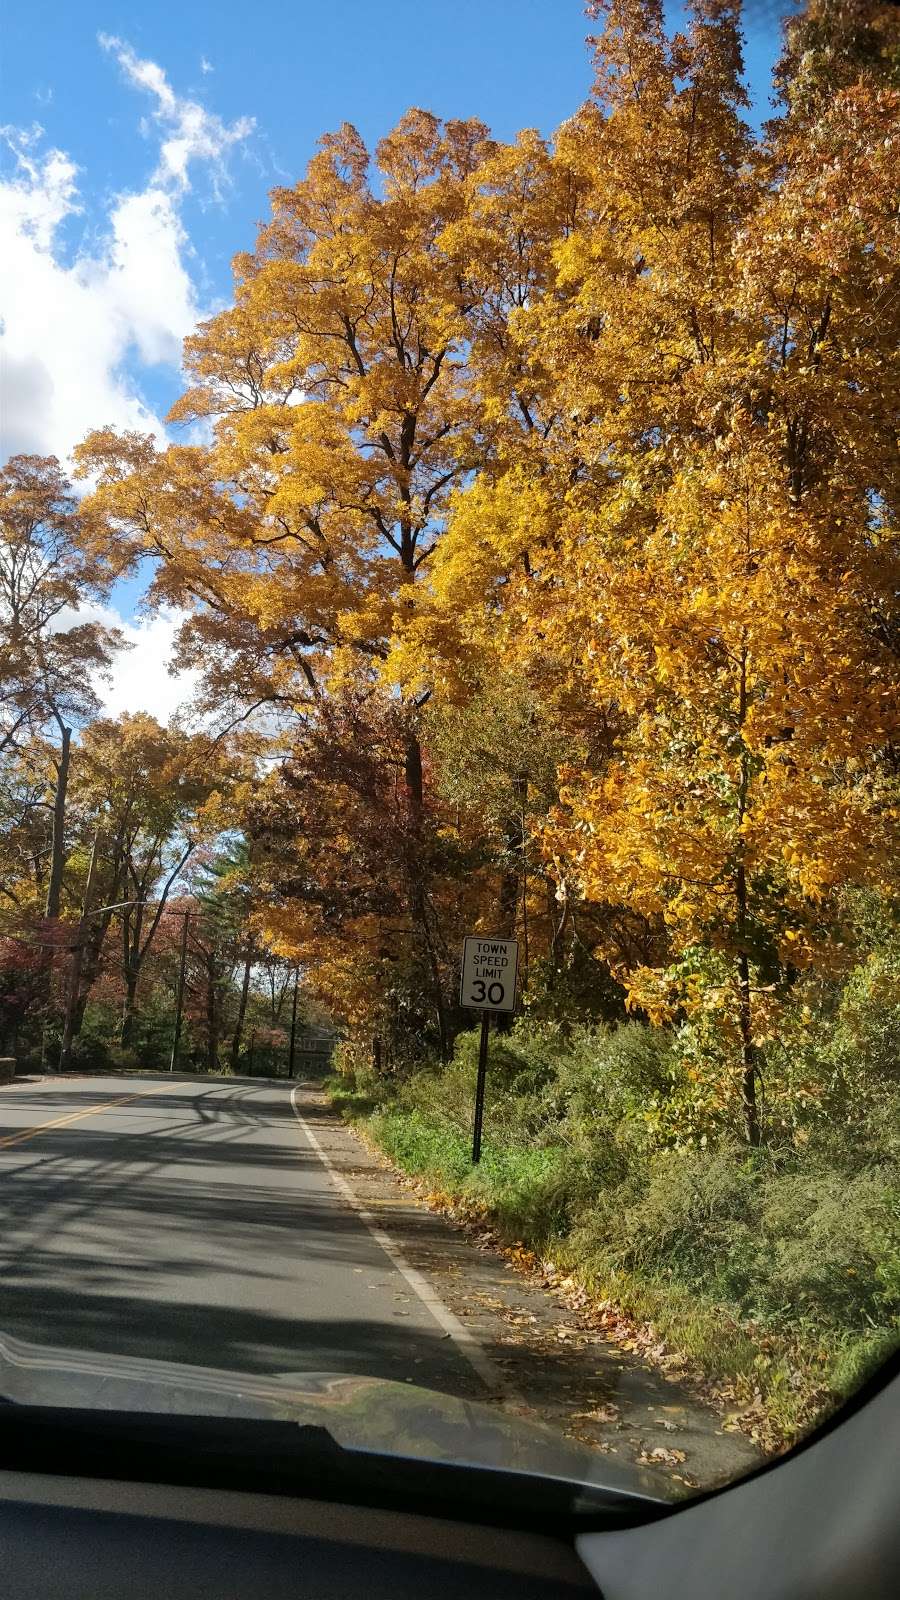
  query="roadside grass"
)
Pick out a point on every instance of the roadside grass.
point(509, 1191)
point(347, 1100)
point(774, 1275)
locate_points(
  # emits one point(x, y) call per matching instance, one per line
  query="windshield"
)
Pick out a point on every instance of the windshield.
point(449, 725)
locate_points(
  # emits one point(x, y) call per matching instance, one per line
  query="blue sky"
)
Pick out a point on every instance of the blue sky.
point(140, 143)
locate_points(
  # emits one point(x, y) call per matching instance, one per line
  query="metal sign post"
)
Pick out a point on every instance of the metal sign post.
point(488, 984)
point(479, 1089)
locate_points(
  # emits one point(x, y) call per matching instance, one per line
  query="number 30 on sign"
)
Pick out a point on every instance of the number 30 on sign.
point(489, 974)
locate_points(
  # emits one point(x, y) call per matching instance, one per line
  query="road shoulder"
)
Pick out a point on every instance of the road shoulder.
point(553, 1365)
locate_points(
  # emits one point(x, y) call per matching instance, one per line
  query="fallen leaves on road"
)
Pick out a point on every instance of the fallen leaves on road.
point(660, 1456)
point(598, 1414)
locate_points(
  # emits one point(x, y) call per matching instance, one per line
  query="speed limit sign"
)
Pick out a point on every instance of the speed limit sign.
point(489, 974)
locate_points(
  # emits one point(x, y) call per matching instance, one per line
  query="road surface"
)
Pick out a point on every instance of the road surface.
point(197, 1221)
point(237, 1224)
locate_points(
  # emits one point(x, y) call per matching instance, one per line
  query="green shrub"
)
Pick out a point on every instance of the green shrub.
point(684, 1215)
point(830, 1246)
point(805, 1248)
point(585, 1153)
point(90, 1054)
point(887, 1243)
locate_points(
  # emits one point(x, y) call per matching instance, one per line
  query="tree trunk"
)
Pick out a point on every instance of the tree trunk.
point(292, 1055)
point(132, 924)
point(745, 1019)
point(513, 879)
point(212, 1019)
point(745, 1013)
point(242, 1011)
point(57, 853)
point(507, 908)
point(72, 1007)
point(748, 1053)
point(81, 1004)
point(440, 1010)
point(75, 1001)
point(419, 912)
point(413, 772)
point(54, 884)
point(514, 840)
point(128, 1008)
point(508, 903)
point(417, 880)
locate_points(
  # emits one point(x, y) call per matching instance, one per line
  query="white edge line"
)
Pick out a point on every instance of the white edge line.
point(463, 1338)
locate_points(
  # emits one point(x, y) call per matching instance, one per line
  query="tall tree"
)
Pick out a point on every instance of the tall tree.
point(49, 663)
point(831, 45)
point(156, 794)
point(706, 544)
point(607, 423)
point(227, 902)
point(301, 532)
point(338, 848)
point(47, 658)
point(340, 422)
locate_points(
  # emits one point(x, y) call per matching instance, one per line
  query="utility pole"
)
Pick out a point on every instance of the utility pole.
point(65, 1049)
point(179, 998)
point(293, 1025)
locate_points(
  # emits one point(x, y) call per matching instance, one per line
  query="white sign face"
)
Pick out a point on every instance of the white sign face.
point(489, 974)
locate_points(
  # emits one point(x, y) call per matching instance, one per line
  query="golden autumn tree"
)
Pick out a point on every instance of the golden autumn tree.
point(336, 390)
point(489, 730)
point(603, 425)
point(48, 657)
point(833, 44)
point(706, 542)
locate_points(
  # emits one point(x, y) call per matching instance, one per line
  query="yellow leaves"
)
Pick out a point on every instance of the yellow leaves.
point(343, 422)
point(601, 427)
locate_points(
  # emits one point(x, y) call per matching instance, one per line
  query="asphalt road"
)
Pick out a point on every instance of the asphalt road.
point(195, 1221)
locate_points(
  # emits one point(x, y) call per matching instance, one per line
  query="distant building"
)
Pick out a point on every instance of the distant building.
point(313, 1048)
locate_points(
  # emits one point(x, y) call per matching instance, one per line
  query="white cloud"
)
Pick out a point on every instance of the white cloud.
point(72, 328)
point(206, 66)
point(141, 680)
point(191, 133)
point(68, 329)
point(43, 193)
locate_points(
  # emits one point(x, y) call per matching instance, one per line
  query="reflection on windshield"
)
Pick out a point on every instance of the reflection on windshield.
point(360, 1414)
point(472, 977)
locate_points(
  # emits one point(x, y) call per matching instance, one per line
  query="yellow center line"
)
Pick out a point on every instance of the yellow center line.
point(75, 1116)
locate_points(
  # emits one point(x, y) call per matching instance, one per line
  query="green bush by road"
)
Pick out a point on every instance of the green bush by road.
point(777, 1269)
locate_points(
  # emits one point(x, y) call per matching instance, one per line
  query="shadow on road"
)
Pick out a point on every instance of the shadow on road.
point(74, 1095)
point(236, 1339)
point(199, 1227)
point(203, 1231)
